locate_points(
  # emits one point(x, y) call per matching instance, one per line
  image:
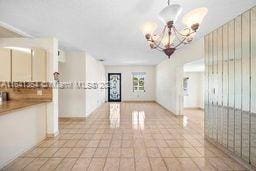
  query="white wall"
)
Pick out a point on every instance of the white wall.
point(166, 85)
point(80, 67)
point(21, 130)
point(169, 76)
point(195, 95)
point(72, 101)
point(127, 84)
point(95, 73)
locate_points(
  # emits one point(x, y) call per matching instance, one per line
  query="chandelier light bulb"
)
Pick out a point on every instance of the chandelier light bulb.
point(149, 28)
point(195, 16)
point(170, 13)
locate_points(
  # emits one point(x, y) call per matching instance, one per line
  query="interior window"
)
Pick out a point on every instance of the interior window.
point(138, 81)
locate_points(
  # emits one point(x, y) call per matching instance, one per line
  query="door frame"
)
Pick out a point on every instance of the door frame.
point(109, 74)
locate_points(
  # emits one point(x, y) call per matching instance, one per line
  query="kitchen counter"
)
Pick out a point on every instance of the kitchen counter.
point(12, 105)
point(23, 125)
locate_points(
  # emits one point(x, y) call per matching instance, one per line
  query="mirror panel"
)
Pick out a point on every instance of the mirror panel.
point(238, 84)
point(206, 96)
point(231, 85)
point(210, 87)
point(220, 90)
point(225, 86)
point(215, 85)
point(253, 88)
point(245, 85)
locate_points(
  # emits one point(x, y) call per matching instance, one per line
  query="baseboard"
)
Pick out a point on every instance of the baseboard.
point(139, 101)
point(230, 154)
point(94, 109)
point(168, 110)
point(81, 117)
point(71, 117)
point(52, 135)
point(193, 108)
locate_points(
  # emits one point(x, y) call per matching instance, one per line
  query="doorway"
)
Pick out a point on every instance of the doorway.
point(193, 85)
point(114, 89)
point(193, 92)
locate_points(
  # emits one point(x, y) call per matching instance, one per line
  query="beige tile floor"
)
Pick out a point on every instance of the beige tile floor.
point(128, 136)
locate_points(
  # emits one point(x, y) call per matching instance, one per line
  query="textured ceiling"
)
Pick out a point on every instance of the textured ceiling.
point(108, 29)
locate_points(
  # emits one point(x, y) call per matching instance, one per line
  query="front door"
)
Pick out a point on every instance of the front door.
point(114, 89)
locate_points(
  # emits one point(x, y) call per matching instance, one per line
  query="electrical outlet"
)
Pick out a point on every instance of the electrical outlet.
point(39, 92)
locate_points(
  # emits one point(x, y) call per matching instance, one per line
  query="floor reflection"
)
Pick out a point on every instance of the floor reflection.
point(138, 119)
point(185, 121)
point(114, 115)
point(163, 144)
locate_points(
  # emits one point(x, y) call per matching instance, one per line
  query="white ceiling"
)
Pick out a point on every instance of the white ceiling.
point(109, 29)
point(195, 66)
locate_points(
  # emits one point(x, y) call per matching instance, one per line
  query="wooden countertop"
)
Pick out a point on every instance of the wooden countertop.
point(12, 105)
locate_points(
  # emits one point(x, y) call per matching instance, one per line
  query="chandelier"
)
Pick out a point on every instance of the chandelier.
point(170, 38)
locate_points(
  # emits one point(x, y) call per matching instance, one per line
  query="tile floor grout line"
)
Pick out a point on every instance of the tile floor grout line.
point(163, 129)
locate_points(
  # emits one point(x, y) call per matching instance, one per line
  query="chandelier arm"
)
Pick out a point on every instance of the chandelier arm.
point(158, 46)
point(184, 37)
point(176, 35)
point(182, 42)
point(160, 50)
point(163, 32)
point(179, 39)
point(177, 48)
point(175, 30)
point(161, 37)
point(190, 33)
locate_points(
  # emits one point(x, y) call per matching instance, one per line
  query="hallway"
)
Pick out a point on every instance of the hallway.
point(128, 136)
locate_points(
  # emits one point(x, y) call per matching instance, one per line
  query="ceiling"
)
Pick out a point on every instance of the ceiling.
point(195, 66)
point(109, 29)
